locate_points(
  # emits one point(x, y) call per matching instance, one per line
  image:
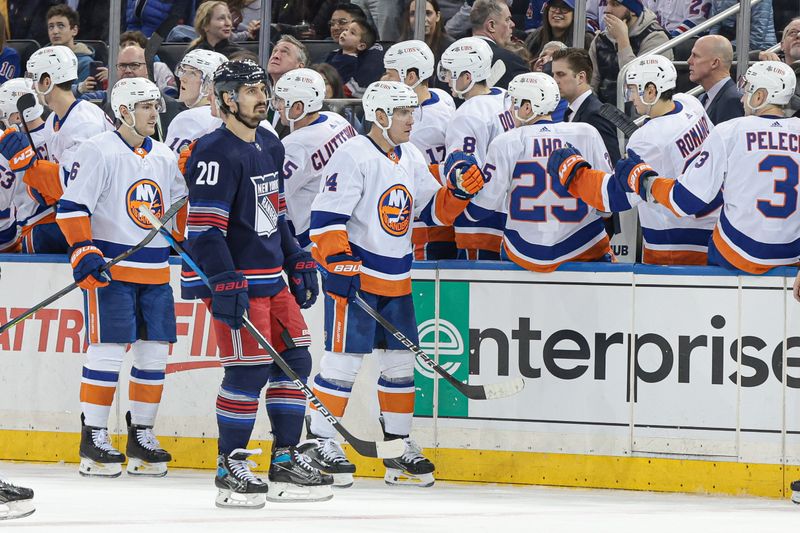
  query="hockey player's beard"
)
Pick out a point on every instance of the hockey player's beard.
point(252, 120)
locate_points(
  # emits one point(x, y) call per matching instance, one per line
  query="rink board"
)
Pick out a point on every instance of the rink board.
point(634, 376)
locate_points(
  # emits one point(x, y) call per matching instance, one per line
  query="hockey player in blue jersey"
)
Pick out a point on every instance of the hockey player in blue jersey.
point(238, 235)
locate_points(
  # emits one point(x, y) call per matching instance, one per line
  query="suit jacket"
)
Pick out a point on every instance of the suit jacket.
point(726, 105)
point(589, 112)
point(514, 64)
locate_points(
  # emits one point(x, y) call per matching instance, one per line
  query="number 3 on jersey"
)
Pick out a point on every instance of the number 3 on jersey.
point(522, 207)
point(787, 186)
point(209, 173)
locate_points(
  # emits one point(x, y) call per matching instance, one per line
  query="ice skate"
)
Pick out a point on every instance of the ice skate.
point(795, 486)
point(98, 457)
point(326, 454)
point(15, 502)
point(238, 486)
point(145, 455)
point(292, 477)
point(411, 468)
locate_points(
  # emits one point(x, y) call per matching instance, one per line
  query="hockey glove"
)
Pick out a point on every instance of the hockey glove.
point(631, 173)
point(302, 272)
point(565, 163)
point(87, 260)
point(464, 178)
point(184, 156)
point(229, 299)
point(343, 279)
point(17, 150)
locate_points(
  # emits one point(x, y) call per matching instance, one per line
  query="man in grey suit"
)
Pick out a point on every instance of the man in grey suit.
point(710, 66)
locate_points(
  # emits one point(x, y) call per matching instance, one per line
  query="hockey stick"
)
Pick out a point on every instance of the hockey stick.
point(25, 102)
point(382, 449)
point(121, 257)
point(619, 119)
point(491, 391)
point(497, 71)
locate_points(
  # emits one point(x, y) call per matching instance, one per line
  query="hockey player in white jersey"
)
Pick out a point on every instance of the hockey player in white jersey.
point(116, 172)
point(754, 160)
point(195, 73)
point(485, 114)
point(374, 186)
point(314, 136)
point(545, 226)
point(53, 70)
point(412, 63)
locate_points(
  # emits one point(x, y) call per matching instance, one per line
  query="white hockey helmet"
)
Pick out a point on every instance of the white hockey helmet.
point(300, 85)
point(539, 89)
point(777, 78)
point(655, 69)
point(470, 54)
point(408, 55)
point(59, 62)
point(204, 61)
point(128, 92)
point(10, 92)
point(388, 96)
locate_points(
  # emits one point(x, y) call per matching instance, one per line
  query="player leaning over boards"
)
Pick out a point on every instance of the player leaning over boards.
point(114, 173)
point(545, 226)
point(754, 160)
point(374, 187)
point(53, 69)
point(239, 237)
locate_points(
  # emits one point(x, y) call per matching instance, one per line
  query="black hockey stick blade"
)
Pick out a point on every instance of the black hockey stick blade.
point(121, 257)
point(382, 449)
point(25, 102)
point(491, 391)
point(619, 119)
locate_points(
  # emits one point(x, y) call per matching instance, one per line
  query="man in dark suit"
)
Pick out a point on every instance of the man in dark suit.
point(572, 70)
point(710, 66)
point(491, 21)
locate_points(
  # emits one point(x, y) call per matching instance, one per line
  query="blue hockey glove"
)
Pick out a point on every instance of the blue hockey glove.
point(87, 260)
point(17, 150)
point(229, 300)
point(302, 272)
point(464, 178)
point(565, 163)
point(343, 279)
point(631, 173)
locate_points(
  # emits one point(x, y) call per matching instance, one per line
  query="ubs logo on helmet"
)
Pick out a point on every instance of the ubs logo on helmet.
point(144, 192)
point(394, 210)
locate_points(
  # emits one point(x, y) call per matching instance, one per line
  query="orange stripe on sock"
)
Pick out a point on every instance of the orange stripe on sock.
point(339, 324)
point(674, 257)
point(138, 392)
point(93, 318)
point(335, 404)
point(96, 394)
point(396, 402)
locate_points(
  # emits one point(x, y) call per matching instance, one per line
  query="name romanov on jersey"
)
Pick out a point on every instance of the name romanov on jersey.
point(773, 140)
point(693, 138)
point(321, 157)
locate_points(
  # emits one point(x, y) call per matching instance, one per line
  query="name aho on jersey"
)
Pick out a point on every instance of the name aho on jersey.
point(394, 210)
point(266, 189)
point(144, 192)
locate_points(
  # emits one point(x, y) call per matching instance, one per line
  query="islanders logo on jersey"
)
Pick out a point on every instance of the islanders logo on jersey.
point(144, 192)
point(394, 210)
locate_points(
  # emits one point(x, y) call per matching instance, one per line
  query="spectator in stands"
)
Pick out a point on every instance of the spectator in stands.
point(9, 58)
point(572, 70)
point(131, 64)
point(246, 15)
point(148, 16)
point(435, 36)
point(557, 24)
point(384, 17)
point(321, 19)
point(62, 28)
point(359, 61)
point(534, 17)
point(630, 31)
point(762, 23)
point(710, 66)
point(341, 18)
point(162, 75)
point(334, 88)
point(214, 28)
point(789, 54)
point(27, 18)
point(543, 63)
point(491, 21)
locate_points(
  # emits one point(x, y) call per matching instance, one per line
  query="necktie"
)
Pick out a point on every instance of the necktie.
point(704, 99)
point(567, 114)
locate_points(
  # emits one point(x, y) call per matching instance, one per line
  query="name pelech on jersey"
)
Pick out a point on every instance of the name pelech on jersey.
point(236, 211)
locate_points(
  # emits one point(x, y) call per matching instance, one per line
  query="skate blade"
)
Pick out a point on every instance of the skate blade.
point(342, 481)
point(137, 467)
point(227, 499)
point(289, 492)
point(400, 477)
point(91, 468)
point(18, 509)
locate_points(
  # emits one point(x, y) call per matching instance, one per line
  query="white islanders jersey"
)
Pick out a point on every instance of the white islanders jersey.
point(112, 181)
point(66, 134)
point(545, 225)
point(755, 161)
point(308, 151)
point(430, 125)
